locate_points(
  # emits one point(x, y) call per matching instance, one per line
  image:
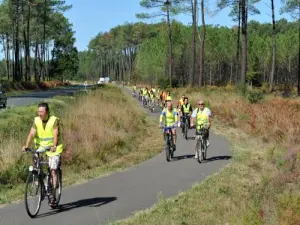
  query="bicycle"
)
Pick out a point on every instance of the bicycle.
point(169, 147)
point(133, 94)
point(146, 102)
point(151, 105)
point(185, 125)
point(201, 145)
point(41, 183)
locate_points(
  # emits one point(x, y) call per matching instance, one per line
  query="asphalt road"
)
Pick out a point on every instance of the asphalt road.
point(38, 96)
point(119, 195)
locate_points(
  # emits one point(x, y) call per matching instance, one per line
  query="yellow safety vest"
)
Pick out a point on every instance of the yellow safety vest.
point(186, 108)
point(44, 136)
point(202, 118)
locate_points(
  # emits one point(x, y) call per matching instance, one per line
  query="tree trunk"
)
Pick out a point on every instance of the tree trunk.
point(170, 55)
point(27, 45)
point(17, 76)
point(7, 53)
point(201, 75)
point(244, 42)
point(36, 76)
point(273, 48)
point(238, 42)
point(194, 17)
point(231, 72)
point(298, 67)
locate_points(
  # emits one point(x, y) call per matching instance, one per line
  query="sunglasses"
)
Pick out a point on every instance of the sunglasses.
point(201, 104)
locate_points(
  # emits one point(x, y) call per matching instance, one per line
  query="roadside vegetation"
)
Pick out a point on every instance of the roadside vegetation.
point(104, 131)
point(261, 185)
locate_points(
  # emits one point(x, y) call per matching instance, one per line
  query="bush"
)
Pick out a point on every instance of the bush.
point(241, 88)
point(254, 96)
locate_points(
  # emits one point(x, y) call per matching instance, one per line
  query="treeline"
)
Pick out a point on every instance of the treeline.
point(140, 52)
point(171, 53)
point(37, 41)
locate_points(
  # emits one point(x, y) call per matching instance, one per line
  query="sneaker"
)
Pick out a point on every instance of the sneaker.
point(207, 143)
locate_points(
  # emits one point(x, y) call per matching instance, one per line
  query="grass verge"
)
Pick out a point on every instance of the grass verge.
point(261, 185)
point(104, 131)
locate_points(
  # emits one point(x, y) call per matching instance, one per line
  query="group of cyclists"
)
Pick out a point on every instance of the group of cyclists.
point(45, 130)
point(172, 116)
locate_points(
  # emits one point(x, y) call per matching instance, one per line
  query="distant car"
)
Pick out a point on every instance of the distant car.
point(3, 99)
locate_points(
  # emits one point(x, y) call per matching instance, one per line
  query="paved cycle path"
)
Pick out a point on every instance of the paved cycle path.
point(103, 200)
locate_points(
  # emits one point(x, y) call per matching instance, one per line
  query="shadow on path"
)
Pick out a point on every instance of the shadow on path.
point(90, 202)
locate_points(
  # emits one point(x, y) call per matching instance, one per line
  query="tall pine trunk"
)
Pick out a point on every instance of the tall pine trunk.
point(194, 17)
point(273, 48)
point(244, 42)
point(170, 55)
point(201, 75)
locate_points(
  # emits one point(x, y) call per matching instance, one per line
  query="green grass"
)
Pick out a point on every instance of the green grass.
point(94, 147)
point(257, 187)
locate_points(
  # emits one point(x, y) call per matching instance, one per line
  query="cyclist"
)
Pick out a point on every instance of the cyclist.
point(134, 90)
point(144, 94)
point(46, 134)
point(152, 98)
point(203, 117)
point(169, 120)
point(180, 102)
point(186, 110)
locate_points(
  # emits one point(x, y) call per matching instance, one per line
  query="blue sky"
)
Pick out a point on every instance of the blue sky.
point(89, 17)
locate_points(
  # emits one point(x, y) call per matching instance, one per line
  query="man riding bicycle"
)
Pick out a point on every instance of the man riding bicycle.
point(203, 118)
point(46, 134)
point(186, 110)
point(169, 120)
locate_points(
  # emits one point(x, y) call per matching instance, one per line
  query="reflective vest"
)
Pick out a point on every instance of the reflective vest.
point(44, 136)
point(202, 118)
point(186, 108)
point(169, 118)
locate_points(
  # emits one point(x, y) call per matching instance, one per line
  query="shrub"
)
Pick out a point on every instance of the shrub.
point(254, 96)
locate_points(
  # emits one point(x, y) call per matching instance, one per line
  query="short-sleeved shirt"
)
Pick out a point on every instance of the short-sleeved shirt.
point(56, 123)
point(207, 110)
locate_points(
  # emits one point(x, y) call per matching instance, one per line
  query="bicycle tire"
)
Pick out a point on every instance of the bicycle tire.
point(168, 149)
point(185, 130)
point(58, 196)
point(199, 151)
point(39, 188)
point(205, 150)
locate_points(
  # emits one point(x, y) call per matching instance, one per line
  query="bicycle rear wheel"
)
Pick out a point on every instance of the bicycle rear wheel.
point(33, 194)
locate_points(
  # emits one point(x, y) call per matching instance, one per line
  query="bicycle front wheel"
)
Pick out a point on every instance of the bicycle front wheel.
point(33, 194)
point(185, 130)
point(204, 150)
point(168, 151)
point(58, 188)
point(199, 151)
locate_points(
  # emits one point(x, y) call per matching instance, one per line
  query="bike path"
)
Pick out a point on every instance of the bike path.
point(103, 200)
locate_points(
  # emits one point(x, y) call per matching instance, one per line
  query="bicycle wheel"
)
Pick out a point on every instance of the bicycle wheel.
point(199, 151)
point(185, 130)
point(58, 188)
point(204, 150)
point(168, 153)
point(33, 194)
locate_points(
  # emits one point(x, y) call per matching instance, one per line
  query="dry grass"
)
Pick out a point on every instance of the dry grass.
point(262, 183)
point(103, 131)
